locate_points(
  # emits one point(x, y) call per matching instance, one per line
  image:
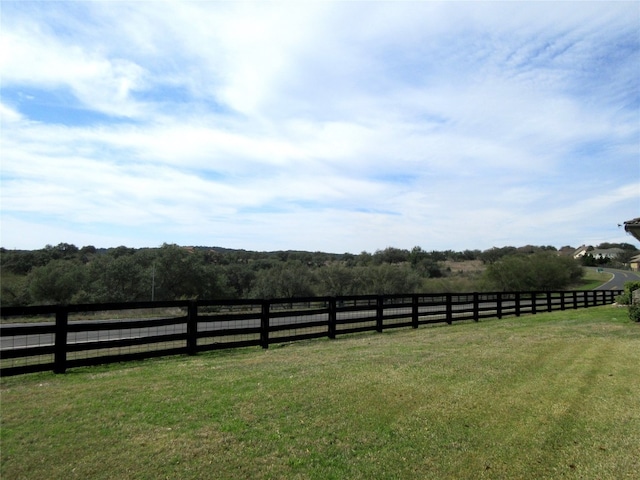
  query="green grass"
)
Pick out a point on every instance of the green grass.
point(549, 396)
point(592, 280)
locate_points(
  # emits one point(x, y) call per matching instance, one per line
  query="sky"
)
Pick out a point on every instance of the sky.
point(320, 126)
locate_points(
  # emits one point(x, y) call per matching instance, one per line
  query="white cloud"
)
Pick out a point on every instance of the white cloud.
point(34, 58)
point(350, 125)
point(9, 115)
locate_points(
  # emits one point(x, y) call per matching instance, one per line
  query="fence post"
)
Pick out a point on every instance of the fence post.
point(517, 304)
point(585, 299)
point(415, 312)
point(534, 303)
point(549, 301)
point(499, 305)
point(476, 307)
point(60, 345)
point(379, 313)
point(264, 325)
point(449, 310)
point(192, 328)
point(562, 300)
point(575, 299)
point(333, 317)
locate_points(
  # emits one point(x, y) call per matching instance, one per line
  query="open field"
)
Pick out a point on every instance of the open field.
point(548, 396)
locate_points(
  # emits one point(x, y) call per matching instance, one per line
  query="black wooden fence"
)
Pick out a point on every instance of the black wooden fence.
point(58, 337)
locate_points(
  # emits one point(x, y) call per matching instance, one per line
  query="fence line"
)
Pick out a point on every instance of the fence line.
point(59, 337)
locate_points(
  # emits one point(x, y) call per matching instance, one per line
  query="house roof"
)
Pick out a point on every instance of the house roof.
point(606, 252)
point(633, 227)
point(580, 251)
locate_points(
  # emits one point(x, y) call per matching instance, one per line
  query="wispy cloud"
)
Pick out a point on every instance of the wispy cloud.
point(331, 126)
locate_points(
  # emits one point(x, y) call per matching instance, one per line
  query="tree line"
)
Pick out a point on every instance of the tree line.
point(67, 274)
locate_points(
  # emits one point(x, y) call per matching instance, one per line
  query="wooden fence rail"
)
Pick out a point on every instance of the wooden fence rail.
point(59, 337)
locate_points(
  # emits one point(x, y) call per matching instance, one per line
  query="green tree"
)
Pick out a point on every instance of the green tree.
point(62, 251)
point(284, 280)
point(15, 261)
point(240, 279)
point(88, 250)
point(179, 273)
point(57, 282)
point(337, 279)
point(538, 271)
point(216, 284)
point(391, 255)
point(417, 255)
point(121, 251)
point(494, 254)
point(87, 253)
point(14, 289)
point(588, 260)
point(364, 259)
point(428, 268)
point(470, 254)
point(119, 279)
point(387, 279)
point(626, 255)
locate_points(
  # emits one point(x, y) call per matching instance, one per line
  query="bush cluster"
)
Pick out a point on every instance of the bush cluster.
point(627, 299)
point(540, 271)
point(67, 274)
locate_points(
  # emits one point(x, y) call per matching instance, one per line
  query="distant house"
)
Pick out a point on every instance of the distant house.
point(602, 253)
point(597, 253)
point(634, 263)
point(633, 227)
point(580, 252)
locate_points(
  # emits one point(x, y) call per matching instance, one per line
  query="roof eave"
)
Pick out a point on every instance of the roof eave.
point(633, 227)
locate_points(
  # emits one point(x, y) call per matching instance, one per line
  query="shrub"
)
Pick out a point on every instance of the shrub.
point(634, 313)
point(537, 271)
point(627, 297)
point(56, 282)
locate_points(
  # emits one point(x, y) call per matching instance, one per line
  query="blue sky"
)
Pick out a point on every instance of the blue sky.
point(333, 126)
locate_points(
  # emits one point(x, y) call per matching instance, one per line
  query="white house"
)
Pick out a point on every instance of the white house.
point(580, 252)
point(597, 253)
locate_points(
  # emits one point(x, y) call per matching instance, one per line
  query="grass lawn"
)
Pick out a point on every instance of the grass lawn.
point(556, 395)
point(592, 280)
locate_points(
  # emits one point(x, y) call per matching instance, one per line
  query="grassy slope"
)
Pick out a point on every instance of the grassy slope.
point(592, 280)
point(546, 396)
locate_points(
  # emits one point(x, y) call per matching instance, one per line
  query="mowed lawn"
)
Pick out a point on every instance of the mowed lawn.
point(555, 395)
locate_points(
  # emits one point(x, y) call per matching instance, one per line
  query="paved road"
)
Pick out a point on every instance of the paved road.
point(618, 279)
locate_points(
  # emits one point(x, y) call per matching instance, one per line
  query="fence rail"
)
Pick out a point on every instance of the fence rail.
point(59, 337)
